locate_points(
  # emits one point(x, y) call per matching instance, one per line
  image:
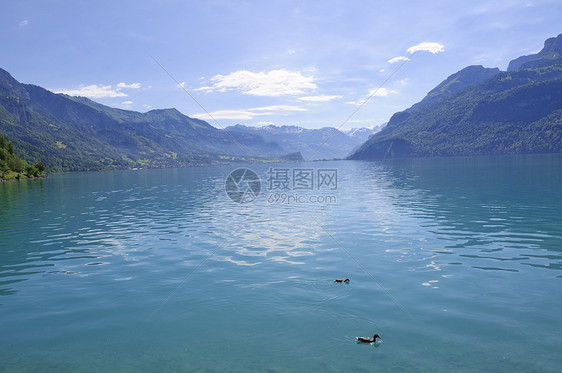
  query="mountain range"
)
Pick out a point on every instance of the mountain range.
point(475, 111)
point(75, 133)
point(363, 133)
point(313, 144)
point(481, 111)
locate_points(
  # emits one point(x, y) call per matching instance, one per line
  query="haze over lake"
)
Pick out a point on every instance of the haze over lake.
point(455, 262)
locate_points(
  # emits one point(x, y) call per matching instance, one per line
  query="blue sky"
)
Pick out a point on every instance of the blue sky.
point(307, 63)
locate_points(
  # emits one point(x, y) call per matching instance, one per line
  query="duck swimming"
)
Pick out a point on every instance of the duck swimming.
point(368, 340)
point(340, 280)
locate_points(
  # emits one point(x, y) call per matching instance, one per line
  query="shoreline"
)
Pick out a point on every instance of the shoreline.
point(23, 178)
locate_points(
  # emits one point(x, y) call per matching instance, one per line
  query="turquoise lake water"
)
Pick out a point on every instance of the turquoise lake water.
point(455, 262)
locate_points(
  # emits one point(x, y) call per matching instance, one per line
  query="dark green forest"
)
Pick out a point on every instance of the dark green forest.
point(10, 164)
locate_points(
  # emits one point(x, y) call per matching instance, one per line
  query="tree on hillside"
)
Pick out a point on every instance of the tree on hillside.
point(10, 162)
point(4, 156)
point(31, 171)
point(4, 169)
point(16, 164)
point(40, 167)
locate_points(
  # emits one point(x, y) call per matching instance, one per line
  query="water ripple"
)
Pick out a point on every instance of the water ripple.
point(85, 259)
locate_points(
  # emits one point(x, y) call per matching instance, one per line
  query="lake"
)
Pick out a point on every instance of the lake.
point(455, 262)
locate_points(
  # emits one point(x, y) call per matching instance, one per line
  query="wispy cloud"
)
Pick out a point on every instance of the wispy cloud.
point(320, 98)
point(377, 92)
point(92, 91)
point(228, 114)
point(398, 59)
point(125, 85)
point(381, 92)
point(427, 46)
point(24, 23)
point(404, 81)
point(271, 83)
point(99, 91)
point(279, 108)
point(127, 103)
point(248, 114)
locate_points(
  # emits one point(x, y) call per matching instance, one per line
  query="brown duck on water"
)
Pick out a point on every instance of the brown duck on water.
point(368, 340)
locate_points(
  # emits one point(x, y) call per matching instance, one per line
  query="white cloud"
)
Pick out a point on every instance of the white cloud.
point(126, 102)
point(248, 114)
point(427, 46)
point(320, 98)
point(380, 92)
point(99, 91)
point(93, 91)
point(146, 106)
point(398, 59)
point(227, 114)
point(23, 23)
point(279, 108)
point(272, 83)
point(404, 81)
point(206, 88)
point(132, 86)
point(265, 123)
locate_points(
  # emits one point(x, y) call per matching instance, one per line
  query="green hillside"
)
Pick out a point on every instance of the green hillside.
point(13, 167)
point(512, 112)
point(75, 133)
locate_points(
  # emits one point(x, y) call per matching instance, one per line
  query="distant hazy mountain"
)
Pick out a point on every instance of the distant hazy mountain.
point(313, 144)
point(75, 133)
point(487, 112)
point(363, 133)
